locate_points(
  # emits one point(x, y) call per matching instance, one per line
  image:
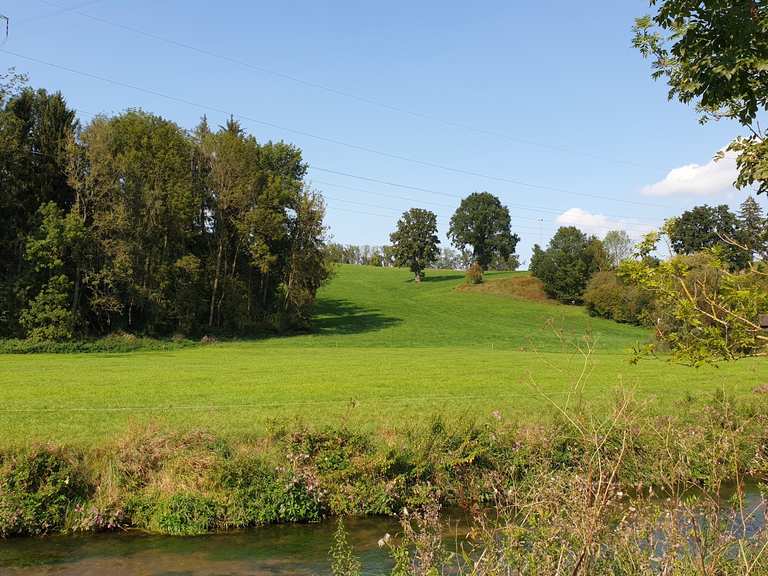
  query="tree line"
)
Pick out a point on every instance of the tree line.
point(133, 223)
point(704, 301)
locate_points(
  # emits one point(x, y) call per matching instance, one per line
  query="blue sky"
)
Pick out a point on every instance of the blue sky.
point(543, 103)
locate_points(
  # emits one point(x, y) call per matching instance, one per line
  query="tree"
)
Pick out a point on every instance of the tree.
point(133, 223)
point(714, 54)
point(618, 247)
point(306, 270)
point(35, 130)
point(415, 241)
point(705, 227)
point(567, 264)
point(753, 229)
point(704, 312)
point(483, 223)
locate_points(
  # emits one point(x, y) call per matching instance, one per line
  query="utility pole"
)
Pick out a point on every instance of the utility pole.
point(4, 25)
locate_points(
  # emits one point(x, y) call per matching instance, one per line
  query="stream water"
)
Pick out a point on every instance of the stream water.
point(274, 550)
point(299, 550)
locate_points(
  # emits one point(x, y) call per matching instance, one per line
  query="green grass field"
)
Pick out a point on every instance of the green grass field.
point(386, 352)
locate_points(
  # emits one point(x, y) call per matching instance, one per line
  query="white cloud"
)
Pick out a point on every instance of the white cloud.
point(599, 224)
point(714, 177)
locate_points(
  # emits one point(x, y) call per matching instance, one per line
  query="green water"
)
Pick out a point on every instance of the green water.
point(274, 550)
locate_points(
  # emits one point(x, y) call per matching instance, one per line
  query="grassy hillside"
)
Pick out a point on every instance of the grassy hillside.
point(386, 352)
point(376, 307)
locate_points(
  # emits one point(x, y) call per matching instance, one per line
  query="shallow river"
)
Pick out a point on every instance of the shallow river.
point(275, 550)
point(298, 550)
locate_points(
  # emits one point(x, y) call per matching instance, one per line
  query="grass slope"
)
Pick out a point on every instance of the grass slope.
point(386, 352)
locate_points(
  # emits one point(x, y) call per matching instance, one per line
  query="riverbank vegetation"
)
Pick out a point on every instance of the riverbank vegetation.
point(590, 488)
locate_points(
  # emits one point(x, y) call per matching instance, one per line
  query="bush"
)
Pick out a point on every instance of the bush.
point(607, 296)
point(37, 488)
point(475, 274)
point(261, 494)
point(115, 343)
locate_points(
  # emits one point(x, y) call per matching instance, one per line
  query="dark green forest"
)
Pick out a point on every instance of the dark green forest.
point(132, 223)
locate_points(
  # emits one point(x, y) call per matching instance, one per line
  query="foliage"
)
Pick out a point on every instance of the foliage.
point(573, 475)
point(474, 274)
point(35, 130)
point(134, 224)
point(37, 488)
point(706, 227)
point(380, 256)
point(618, 247)
point(48, 316)
point(483, 223)
point(414, 243)
point(715, 54)
point(183, 514)
point(608, 296)
point(306, 270)
point(113, 343)
point(567, 264)
point(343, 560)
point(705, 311)
point(753, 229)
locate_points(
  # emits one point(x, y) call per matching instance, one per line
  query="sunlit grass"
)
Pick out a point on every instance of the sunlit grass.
point(387, 352)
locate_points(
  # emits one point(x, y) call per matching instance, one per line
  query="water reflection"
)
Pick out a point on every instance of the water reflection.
point(299, 550)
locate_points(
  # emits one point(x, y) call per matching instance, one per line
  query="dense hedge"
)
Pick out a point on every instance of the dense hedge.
point(115, 343)
point(607, 296)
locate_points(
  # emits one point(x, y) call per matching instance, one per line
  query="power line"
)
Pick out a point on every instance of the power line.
point(335, 141)
point(343, 93)
point(445, 218)
point(62, 10)
point(431, 191)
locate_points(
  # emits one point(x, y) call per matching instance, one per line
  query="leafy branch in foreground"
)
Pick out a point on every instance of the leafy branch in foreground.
point(705, 311)
point(715, 54)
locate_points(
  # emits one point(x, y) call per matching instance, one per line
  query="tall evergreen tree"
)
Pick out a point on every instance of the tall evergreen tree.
point(753, 228)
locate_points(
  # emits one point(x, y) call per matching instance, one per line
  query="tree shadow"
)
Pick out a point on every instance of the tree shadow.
point(442, 277)
point(340, 317)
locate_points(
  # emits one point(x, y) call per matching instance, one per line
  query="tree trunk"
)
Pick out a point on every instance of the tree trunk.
point(76, 293)
point(215, 283)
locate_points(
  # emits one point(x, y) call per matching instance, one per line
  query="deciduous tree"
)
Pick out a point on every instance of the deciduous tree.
point(483, 223)
point(415, 242)
point(567, 264)
point(714, 54)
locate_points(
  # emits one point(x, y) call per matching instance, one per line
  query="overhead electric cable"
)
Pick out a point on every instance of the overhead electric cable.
point(335, 141)
point(343, 93)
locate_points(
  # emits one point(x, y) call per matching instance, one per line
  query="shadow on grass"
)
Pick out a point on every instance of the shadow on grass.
point(338, 317)
point(442, 277)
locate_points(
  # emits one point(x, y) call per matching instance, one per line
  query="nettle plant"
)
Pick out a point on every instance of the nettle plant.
point(705, 311)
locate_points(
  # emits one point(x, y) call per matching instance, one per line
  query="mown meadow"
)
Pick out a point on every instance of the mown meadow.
point(384, 352)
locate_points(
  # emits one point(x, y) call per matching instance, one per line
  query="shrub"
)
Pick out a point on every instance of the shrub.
point(475, 274)
point(115, 343)
point(48, 316)
point(37, 488)
point(184, 515)
point(260, 494)
point(609, 297)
